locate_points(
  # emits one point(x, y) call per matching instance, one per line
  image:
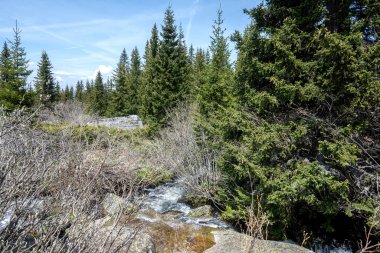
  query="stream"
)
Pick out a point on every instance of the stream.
point(165, 199)
point(162, 205)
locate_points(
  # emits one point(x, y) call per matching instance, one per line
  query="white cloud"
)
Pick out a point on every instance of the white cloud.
point(58, 78)
point(105, 70)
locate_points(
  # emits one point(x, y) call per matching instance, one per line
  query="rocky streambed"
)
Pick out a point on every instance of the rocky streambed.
point(158, 222)
point(172, 226)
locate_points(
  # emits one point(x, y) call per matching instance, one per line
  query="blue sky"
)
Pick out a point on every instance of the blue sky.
point(83, 36)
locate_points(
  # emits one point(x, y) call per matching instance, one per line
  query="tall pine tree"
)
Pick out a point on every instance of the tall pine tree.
point(44, 81)
point(218, 90)
point(99, 96)
point(6, 75)
point(134, 82)
point(14, 65)
point(119, 104)
point(150, 77)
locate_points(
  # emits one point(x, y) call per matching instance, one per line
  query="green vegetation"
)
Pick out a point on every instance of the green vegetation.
point(45, 86)
point(294, 123)
point(154, 176)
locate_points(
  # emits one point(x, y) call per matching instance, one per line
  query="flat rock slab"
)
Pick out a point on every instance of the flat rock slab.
point(233, 242)
point(127, 123)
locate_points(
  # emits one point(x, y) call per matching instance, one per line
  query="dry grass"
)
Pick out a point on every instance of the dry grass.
point(179, 149)
point(50, 183)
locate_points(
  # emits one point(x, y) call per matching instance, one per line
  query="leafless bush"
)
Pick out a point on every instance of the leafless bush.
point(67, 112)
point(178, 148)
point(257, 222)
point(372, 231)
point(50, 183)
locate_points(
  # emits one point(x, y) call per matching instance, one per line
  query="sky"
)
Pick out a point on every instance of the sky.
point(84, 36)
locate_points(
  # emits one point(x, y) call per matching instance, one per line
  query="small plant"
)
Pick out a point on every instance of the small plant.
point(372, 231)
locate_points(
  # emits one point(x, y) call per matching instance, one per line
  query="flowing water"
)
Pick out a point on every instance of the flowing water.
point(163, 205)
point(166, 198)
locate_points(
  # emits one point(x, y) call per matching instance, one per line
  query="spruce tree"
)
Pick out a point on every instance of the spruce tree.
point(199, 69)
point(44, 81)
point(218, 90)
point(6, 67)
point(20, 65)
point(14, 68)
point(171, 85)
point(6, 75)
point(119, 104)
point(150, 77)
point(134, 82)
point(79, 90)
point(305, 87)
point(99, 102)
point(191, 54)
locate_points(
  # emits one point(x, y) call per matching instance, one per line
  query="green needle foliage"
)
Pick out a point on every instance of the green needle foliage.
point(44, 82)
point(298, 127)
point(14, 73)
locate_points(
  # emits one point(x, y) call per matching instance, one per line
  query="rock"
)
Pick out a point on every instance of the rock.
point(127, 123)
point(128, 240)
point(233, 242)
point(113, 205)
point(104, 234)
point(201, 212)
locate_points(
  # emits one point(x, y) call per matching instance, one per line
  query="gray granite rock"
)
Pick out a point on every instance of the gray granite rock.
point(228, 241)
point(113, 205)
point(106, 236)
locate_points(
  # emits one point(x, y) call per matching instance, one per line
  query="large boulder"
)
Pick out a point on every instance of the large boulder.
point(201, 212)
point(107, 233)
point(227, 241)
point(126, 240)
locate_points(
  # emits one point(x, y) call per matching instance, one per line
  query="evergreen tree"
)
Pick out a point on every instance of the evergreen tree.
point(65, 94)
point(218, 90)
point(191, 54)
point(200, 69)
point(44, 82)
point(6, 75)
point(99, 102)
point(79, 90)
point(119, 104)
point(184, 67)
point(220, 53)
point(71, 94)
point(305, 88)
point(6, 67)
point(14, 68)
point(172, 65)
point(57, 91)
point(20, 65)
point(135, 82)
point(150, 76)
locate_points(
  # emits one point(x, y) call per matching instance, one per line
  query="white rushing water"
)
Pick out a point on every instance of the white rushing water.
point(166, 198)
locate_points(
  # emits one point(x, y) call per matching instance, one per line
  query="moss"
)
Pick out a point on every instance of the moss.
point(154, 176)
point(194, 201)
point(181, 238)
